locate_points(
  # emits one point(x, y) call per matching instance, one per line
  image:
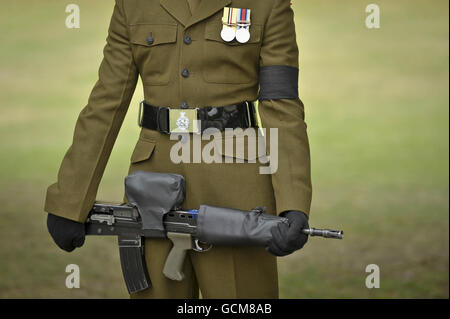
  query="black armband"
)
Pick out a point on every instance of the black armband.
point(278, 82)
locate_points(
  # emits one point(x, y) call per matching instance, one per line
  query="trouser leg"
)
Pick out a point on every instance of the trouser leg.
point(236, 272)
point(222, 272)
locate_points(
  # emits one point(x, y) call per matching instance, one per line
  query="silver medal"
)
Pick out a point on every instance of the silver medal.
point(227, 34)
point(242, 35)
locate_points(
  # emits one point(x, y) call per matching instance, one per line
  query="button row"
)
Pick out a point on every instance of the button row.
point(185, 73)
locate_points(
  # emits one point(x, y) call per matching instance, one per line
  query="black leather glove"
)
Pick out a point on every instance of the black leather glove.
point(66, 233)
point(288, 238)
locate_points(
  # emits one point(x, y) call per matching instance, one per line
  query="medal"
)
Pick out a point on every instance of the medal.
point(236, 24)
point(243, 25)
point(229, 24)
point(242, 35)
point(227, 33)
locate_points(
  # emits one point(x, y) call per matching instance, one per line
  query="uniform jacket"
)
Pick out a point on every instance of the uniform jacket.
point(220, 73)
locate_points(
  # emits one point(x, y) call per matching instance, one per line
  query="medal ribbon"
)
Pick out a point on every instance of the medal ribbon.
point(226, 15)
point(230, 16)
point(244, 18)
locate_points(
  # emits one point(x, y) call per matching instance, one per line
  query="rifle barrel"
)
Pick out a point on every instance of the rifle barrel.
point(326, 233)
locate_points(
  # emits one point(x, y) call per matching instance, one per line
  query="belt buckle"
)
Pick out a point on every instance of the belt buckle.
point(183, 121)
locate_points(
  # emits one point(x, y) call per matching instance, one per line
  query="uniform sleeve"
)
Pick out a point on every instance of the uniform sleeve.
point(98, 124)
point(280, 107)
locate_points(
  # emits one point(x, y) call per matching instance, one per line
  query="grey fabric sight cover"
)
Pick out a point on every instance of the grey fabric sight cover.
point(154, 194)
point(225, 226)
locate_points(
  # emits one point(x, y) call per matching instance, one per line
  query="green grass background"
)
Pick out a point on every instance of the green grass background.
point(377, 114)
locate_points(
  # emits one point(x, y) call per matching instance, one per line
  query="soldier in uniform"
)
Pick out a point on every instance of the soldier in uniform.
point(186, 62)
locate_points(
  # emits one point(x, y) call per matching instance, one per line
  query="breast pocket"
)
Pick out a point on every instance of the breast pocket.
point(153, 51)
point(230, 62)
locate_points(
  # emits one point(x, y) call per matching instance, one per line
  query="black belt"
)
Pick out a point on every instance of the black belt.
point(241, 115)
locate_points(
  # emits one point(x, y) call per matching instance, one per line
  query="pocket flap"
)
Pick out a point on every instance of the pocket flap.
point(242, 148)
point(213, 29)
point(143, 151)
point(160, 33)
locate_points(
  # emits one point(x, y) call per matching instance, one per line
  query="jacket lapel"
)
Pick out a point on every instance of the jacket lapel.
point(205, 10)
point(178, 9)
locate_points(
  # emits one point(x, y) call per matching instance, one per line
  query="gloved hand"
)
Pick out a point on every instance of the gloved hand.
point(288, 238)
point(66, 233)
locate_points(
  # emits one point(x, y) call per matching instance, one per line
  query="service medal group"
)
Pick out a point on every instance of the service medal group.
point(236, 24)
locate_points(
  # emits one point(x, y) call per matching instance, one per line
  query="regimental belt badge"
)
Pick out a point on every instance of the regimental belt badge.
point(182, 122)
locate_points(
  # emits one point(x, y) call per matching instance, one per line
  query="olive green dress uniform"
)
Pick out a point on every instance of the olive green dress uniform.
point(176, 48)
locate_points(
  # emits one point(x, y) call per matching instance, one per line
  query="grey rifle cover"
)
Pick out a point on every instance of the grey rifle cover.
point(225, 226)
point(154, 194)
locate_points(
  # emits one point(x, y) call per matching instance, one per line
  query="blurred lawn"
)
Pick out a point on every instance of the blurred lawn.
point(377, 114)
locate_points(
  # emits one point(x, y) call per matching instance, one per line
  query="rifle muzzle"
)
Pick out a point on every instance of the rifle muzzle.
point(327, 233)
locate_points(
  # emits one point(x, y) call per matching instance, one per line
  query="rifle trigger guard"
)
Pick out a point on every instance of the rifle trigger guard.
point(198, 248)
